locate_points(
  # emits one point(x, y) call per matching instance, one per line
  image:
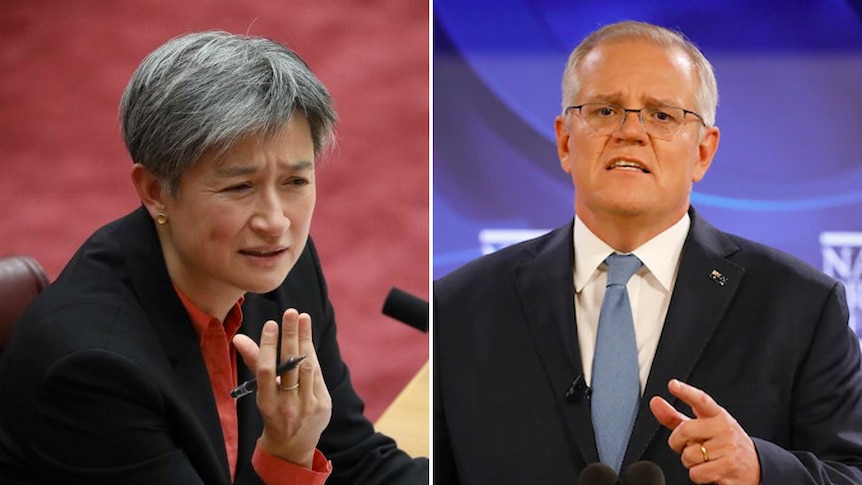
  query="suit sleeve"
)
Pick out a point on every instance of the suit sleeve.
point(98, 419)
point(358, 453)
point(827, 409)
point(444, 458)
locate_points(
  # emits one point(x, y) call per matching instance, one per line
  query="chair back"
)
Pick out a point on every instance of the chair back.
point(21, 279)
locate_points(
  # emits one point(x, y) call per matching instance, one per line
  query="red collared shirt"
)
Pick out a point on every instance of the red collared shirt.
point(216, 341)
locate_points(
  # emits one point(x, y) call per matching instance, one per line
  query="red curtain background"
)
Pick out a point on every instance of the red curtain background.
point(64, 170)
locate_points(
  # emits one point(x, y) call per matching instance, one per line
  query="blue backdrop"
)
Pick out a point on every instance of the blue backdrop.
point(788, 171)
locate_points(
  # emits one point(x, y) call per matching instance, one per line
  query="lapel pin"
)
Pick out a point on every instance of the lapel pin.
point(718, 277)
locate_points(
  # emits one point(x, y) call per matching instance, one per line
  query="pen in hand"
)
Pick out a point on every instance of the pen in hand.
point(250, 386)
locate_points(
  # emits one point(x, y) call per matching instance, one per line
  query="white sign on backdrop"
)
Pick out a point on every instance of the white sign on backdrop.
point(842, 260)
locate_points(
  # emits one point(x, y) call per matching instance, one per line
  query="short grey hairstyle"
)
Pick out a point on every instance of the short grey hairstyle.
point(706, 97)
point(204, 91)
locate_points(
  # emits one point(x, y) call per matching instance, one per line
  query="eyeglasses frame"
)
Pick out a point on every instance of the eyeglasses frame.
point(639, 111)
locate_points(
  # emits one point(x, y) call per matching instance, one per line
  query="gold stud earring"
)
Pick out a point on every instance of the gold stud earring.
point(161, 219)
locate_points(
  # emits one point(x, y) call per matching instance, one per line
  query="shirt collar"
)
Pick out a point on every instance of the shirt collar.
point(201, 320)
point(660, 255)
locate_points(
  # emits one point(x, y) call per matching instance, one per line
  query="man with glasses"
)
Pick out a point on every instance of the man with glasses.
point(639, 331)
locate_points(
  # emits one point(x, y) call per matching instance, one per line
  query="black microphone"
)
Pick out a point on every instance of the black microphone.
point(643, 473)
point(407, 308)
point(579, 391)
point(598, 474)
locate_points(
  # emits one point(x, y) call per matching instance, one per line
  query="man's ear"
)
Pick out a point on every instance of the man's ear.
point(150, 190)
point(561, 129)
point(706, 151)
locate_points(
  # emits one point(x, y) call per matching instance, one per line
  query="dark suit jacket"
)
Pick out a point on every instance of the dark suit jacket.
point(771, 345)
point(103, 381)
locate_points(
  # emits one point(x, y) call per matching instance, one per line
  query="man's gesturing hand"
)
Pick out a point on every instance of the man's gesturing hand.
point(712, 445)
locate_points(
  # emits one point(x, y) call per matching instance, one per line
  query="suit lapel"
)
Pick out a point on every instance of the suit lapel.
point(171, 324)
point(697, 306)
point(546, 289)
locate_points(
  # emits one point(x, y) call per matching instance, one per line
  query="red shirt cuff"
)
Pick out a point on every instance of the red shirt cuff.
point(275, 471)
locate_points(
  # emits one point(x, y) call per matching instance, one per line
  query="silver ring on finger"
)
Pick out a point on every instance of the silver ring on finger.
point(289, 388)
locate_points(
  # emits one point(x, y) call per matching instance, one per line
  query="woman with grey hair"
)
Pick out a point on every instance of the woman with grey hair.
point(123, 370)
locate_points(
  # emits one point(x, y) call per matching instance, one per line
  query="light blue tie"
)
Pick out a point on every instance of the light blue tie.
point(615, 383)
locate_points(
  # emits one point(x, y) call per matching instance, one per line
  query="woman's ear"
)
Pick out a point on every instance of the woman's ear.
point(149, 189)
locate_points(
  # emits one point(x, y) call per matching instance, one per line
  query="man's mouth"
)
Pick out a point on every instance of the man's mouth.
point(628, 165)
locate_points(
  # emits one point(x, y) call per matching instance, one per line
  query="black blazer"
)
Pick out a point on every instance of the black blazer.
point(771, 345)
point(103, 381)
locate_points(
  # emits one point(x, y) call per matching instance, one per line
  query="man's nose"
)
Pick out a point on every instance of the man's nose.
point(632, 126)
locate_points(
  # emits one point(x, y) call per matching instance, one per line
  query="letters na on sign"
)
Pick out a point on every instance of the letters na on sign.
point(842, 260)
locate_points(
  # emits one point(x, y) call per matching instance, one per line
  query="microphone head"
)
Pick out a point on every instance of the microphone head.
point(643, 473)
point(407, 308)
point(598, 474)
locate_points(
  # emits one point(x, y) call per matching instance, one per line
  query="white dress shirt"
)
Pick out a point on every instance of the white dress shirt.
point(649, 290)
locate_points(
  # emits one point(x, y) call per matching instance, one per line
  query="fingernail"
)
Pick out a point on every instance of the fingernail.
point(270, 328)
